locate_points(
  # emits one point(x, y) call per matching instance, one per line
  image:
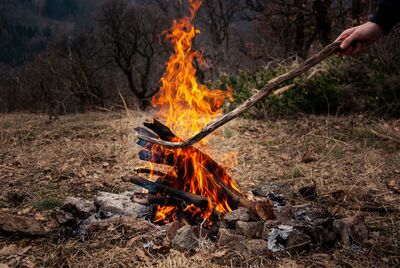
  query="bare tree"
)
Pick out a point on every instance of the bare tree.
point(130, 34)
point(219, 16)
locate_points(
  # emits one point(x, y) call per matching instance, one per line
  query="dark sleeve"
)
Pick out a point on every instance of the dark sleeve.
point(388, 14)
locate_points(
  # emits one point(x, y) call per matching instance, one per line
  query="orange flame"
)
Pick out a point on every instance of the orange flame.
point(186, 106)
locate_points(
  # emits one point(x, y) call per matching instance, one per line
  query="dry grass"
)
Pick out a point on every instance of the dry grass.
point(82, 154)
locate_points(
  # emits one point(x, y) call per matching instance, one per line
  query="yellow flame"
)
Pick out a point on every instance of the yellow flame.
point(186, 106)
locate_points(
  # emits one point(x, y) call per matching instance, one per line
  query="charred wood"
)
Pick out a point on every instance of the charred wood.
point(197, 200)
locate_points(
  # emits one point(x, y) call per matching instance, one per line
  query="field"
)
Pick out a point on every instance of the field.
point(353, 166)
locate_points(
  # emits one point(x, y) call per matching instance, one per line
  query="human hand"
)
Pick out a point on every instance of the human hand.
point(362, 35)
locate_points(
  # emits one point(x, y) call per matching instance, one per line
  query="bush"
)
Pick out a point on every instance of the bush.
point(370, 84)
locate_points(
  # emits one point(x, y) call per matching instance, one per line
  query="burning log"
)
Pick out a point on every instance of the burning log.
point(258, 210)
point(166, 134)
point(264, 92)
point(154, 187)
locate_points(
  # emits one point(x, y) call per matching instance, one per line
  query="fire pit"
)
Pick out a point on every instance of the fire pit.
point(195, 188)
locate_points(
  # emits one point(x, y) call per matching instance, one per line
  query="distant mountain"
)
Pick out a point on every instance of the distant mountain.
point(26, 26)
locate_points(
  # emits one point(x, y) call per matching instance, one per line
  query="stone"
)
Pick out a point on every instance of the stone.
point(240, 214)
point(322, 233)
point(227, 237)
point(277, 237)
point(8, 250)
point(342, 229)
point(119, 204)
point(250, 229)
point(256, 246)
point(359, 232)
point(64, 217)
point(79, 207)
point(297, 241)
point(21, 224)
point(185, 239)
point(172, 228)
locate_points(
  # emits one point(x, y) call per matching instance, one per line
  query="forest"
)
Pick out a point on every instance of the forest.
point(199, 133)
point(69, 56)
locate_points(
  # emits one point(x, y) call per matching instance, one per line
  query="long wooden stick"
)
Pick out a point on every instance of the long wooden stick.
point(265, 91)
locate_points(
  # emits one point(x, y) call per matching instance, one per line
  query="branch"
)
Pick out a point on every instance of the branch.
point(264, 92)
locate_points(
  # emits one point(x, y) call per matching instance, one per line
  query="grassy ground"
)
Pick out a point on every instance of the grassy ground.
point(81, 154)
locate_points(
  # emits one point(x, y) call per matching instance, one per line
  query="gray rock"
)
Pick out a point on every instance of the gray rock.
point(277, 236)
point(64, 217)
point(240, 214)
point(229, 238)
point(250, 229)
point(256, 246)
point(79, 207)
point(185, 239)
point(172, 228)
point(119, 204)
point(20, 224)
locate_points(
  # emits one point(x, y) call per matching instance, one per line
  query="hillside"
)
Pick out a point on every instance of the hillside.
point(27, 26)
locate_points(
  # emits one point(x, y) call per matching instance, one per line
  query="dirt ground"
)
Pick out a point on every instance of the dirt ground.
point(78, 155)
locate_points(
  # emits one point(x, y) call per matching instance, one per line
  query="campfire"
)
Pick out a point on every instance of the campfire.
point(194, 187)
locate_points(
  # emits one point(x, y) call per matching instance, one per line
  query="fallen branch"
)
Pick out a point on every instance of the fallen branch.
point(384, 136)
point(149, 199)
point(282, 90)
point(379, 209)
point(265, 91)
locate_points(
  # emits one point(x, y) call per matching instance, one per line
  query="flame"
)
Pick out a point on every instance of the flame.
point(186, 106)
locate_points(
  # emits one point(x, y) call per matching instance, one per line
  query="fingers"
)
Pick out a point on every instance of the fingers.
point(348, 40)
point(345, 34)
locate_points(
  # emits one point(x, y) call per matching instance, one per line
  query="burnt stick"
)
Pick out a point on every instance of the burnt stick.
point(211, 165)
point(197, 200)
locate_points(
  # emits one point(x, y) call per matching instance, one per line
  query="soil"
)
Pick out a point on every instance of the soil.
point(42, 162)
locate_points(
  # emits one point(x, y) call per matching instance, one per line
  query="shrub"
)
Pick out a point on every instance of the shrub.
point(369, 84)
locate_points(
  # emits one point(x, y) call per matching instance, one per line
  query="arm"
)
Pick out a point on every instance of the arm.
point(387, 15)
point(382, 22)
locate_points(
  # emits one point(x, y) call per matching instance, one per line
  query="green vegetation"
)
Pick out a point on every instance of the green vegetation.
point(48, 203)
point(342, 86)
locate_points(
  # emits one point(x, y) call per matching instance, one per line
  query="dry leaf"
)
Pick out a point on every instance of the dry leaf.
point(141, 254)
point(3, 265)
point(8, 250)
point(284, 157)
point(286, 263)
point(24, 250)
point(39, 217)
point(28, 263)
point(220, 253)
point(64, 167)
point(25, 210)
